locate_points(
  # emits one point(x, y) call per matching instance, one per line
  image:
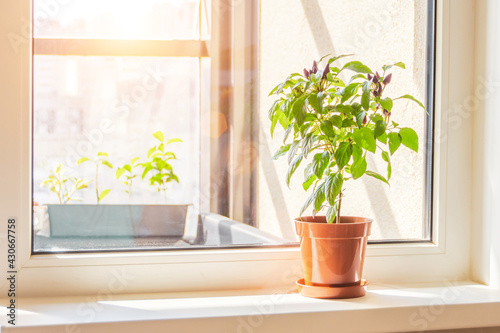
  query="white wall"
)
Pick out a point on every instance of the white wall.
point(485, 259)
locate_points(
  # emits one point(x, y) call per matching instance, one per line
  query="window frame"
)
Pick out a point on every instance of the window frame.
point(447, 256)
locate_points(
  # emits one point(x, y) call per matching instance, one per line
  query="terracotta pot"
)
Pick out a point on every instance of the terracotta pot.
point(333, 254)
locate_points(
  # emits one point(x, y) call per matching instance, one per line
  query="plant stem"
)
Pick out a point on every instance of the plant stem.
point(59, 191)
point(70, 195)
point(340, 206)
point(96, 182)
point(130, 192)
point(340, 200)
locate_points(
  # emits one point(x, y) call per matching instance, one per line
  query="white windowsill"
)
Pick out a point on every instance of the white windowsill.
point(383, 309)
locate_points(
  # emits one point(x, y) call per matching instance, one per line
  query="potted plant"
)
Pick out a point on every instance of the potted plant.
point(120, 220)
point(100, 159)
point(59, 183)
point(65, 187)
point(331, 125)
point(159, 159)
point(127, 171)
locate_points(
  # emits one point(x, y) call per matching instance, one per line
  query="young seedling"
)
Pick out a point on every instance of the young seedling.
point(100, 159)
point(64, 186)
point(159, 163)
point(127, 172)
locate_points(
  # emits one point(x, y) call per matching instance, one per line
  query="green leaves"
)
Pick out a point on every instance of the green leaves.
point(158, 160)
point(80, 184)
point(380, 127)
point(349, 91)
point(358, 168)
point(299, 110)
point(337, 123)
point(333, 186)
point(376, 176)
point(119, 172)
point(331, 213)
point(127, 170)
point(307, 143)
point(103, 194)
point(365, 138)
point(398, 64)
point(316, 101)
point(281, 151)
point(343, 154)
point(319, 163)
point(308, 203)
point(382, 138)
point(147, 167)
point(309, 181)
point(385, 157)
point(357, 66)
point(173, 141)
point(151, 151)
point(409, 138)
point(338, 57)
point(99, 159)
point(327, 127)
point(359, 114)
point(411, 98)
point(106, 163)
point(159, 164)
point(386, 103)
point(356, 76)
point(394, 142)
point(64, 186)
point(83, 159)
point(278, 117)
point(159, 135)
point(345, 109)
point(292, 167)
point(294, 147)
point(318, 197)
point(365, 97)
point(348, 122)
point(274, 107)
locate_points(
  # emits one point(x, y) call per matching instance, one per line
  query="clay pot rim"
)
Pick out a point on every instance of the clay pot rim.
point(318, 228)
point(322, 220)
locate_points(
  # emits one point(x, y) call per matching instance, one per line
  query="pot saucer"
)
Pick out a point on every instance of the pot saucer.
point(332, 292)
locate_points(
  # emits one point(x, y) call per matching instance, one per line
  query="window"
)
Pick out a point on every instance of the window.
point(113, 83)
point(87, 273)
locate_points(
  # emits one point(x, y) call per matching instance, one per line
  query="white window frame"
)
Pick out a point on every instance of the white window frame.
point(446, 257)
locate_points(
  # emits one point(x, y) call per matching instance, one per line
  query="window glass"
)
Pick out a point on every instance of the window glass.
point(148, 152)
point(377, 32)
point(117, 19)
point(112, 105)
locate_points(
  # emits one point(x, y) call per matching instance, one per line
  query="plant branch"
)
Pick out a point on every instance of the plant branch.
point(340, 200)
point(96, 182)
